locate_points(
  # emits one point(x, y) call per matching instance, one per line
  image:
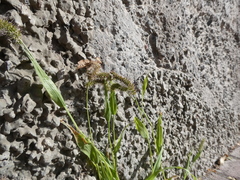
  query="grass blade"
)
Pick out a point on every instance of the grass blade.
point(159, 134)
point(152, 176)
point(158, 162)
point(113, 102)
point(144, 86)
point(185, 174)
point(105, 172)
point(107, 110)
point(48, 84)
point(141, 128)
point(157, 167)
point(118, 141)
point(97, 158)
point(200, 149)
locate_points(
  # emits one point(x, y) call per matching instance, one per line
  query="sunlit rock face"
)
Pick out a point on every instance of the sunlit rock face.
point(189, 50)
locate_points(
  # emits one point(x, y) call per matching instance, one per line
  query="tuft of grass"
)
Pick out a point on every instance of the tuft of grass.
point(192, 159)
point(106, 167)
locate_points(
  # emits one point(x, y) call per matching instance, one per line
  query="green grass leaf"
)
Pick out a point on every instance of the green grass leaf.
point(187, 166)
point(159, 147)
point(152, 176)
point(113, 102)
point(199, 152)
point(107, 110)
point(144, 86)
point(105, 172)
point(48, 84)
point(159, 134)
point(101, 163)
point(158, 162)
point(141, 128)
point(118, 141)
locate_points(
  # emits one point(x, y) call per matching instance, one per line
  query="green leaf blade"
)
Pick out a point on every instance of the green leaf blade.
point(48, 84)
point(152, 176)
point(159, 134)
point(118, 141)
point(144, 86)
point(113, 102)
point(199, 152)
point(187, 166)
point(104, 167)
point(141, 128)
point(107, 113)
point(158, 162)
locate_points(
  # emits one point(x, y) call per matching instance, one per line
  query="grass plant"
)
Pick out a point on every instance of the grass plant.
point(106, 167)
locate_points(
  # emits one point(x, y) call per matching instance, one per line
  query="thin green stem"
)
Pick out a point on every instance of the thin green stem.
point(111, 145)
point(141, 110)
point(114, 156)
point(146, 116)
point(109, 135)
point(150, 152)
point(108, 118)
point(111, 128)
point(143, 113)
point(114, 139)
point(88, 115)
point(73, 121)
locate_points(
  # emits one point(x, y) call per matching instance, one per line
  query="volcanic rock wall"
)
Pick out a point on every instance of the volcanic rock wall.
point(190, 51)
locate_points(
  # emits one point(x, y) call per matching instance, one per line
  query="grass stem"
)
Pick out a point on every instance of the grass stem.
point(143, 114)
point(88, 115)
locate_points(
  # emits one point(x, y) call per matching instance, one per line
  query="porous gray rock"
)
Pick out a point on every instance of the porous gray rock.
point(188, 50)
point(89, 178)
point(5, 145)
point(9, 114)
point(27, 104)
point(24, 84)
point(27, 131)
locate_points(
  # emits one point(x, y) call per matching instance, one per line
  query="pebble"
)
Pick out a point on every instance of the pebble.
point(64, 17)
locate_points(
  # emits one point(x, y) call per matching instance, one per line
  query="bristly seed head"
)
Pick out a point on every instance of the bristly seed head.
point(107, 79)
point(10, 30)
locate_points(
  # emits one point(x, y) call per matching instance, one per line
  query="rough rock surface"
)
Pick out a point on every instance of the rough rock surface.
point(229, 167)
point(190, 51)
